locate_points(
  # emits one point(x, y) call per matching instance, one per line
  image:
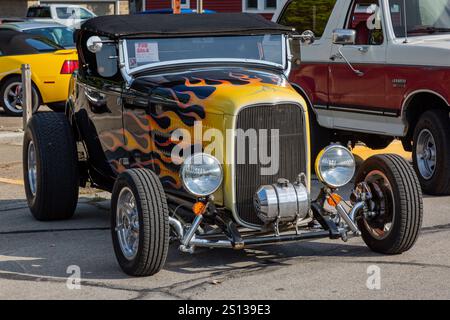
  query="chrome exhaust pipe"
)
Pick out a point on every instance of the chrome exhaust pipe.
point(358, 206)
point(177, 226)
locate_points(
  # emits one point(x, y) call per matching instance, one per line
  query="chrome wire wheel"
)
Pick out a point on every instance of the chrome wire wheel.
point(381, 225)
point(13, 97)
point(32, 168)
point(127, 223)
point(426, 154)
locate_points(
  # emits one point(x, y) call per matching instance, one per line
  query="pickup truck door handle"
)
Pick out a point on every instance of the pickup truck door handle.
point(335, 57)
point(340, 55)
point(363, 49)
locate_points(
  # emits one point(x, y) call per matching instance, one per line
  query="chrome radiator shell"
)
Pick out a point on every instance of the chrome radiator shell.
point(289, 119)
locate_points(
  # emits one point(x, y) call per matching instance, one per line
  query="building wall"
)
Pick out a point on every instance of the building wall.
point(15, 8)
point(100, 9)
point(18, 8)
point(216, 5)
point(220, 5)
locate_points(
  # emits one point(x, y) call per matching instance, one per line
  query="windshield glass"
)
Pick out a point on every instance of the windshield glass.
point(73, 13)
point(59, 35)
point(143, 52)
point(422, 17)
point(39, 12)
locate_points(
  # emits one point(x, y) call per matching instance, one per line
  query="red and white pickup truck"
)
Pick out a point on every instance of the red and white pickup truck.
point(376, 72)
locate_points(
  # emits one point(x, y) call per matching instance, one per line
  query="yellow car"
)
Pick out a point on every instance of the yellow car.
point(51, 68)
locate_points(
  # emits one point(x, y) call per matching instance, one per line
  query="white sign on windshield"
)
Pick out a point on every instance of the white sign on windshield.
point(146, 52)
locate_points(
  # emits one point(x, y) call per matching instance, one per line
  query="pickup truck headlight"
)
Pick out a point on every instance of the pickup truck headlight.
point(201, 174)
point(335, 166)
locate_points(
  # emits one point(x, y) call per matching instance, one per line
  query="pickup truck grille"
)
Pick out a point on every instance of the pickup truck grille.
point(289, 120)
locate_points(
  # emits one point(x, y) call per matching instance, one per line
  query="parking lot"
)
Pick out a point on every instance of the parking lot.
point(37, 259)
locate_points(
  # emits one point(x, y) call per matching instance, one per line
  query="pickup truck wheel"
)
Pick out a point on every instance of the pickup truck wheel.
point(50, 167)
point(139, 222)
point(431, 152)
point(397, 204)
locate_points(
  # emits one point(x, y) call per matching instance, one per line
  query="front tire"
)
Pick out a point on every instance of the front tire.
point(139, 222)
point(397, 197)
point(431, 152)
point(50, 167)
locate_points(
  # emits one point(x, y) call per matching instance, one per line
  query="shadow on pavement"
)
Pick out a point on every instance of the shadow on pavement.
point(47, 249)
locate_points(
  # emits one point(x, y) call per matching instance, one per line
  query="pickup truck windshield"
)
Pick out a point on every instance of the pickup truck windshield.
point(423, 17)
point(148, 52)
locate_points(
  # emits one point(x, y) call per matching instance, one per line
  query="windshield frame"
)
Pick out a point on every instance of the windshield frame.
point(124, 59)
point(389, 23)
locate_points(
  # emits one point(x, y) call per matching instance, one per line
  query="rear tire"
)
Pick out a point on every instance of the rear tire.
point(50, 167)
point(396, 192)
point(431, 152)
point(139, 222)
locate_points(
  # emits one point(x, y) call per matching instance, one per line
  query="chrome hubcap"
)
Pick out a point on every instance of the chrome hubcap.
point(127, 223)
point(426, 154)
point(32, 168)
point(380, 226)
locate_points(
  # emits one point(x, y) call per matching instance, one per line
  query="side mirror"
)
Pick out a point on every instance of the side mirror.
point(344, 37)
point(94, 44)
point(308, 37)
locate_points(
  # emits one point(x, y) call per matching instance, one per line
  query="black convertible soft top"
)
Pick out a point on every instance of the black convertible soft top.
point(161, 25)
point(17, 43)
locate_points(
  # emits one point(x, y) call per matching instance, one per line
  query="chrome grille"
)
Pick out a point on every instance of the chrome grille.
point(289, 120)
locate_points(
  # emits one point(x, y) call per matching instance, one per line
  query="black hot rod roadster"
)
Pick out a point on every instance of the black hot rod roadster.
point(191, 123)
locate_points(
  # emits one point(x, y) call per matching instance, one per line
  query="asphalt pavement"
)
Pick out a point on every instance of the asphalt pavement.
point(42, 260)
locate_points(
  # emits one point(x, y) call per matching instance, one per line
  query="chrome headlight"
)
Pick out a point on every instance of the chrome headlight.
point(201, 174)
point(335, 166)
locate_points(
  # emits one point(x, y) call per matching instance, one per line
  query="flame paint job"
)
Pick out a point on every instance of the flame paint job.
point(158, 104)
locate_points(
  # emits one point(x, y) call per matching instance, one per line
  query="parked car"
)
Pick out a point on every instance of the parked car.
point(170, 11)
point(372, 81)
point(56, 32)
point(11, 19)
point(67, 14)
point(51, 67)
point(131, 117)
